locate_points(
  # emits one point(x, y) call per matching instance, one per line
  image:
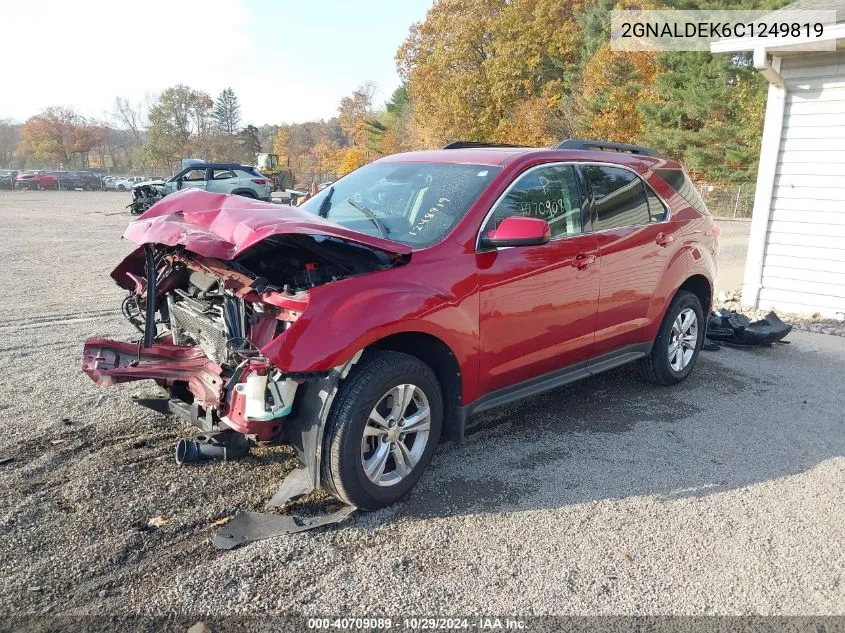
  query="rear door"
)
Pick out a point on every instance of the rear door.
point(222, 180)
point(194, 178)
point(636, 241)
point(538, 303)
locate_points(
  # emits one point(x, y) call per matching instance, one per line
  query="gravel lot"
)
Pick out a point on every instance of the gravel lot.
point(723, 495)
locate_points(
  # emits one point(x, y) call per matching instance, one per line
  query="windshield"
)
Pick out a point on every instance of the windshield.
point(417, 204)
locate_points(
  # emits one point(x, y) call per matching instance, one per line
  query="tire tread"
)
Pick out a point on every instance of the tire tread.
point(372, 367)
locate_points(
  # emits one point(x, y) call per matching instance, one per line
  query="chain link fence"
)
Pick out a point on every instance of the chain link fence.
point(728, 201)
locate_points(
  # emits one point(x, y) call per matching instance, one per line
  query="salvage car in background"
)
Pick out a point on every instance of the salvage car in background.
point(7, 178)
point(126, 183)
point(28, 179)
point(414, 292)
point(91, 181)
point(233, 178)
point(110, 182)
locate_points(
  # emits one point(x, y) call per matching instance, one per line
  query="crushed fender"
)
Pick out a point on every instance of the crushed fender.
point(736, 330)
point(247, 527)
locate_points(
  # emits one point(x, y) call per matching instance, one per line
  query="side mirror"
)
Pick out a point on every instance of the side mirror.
point(178, 183)
point(518, 231)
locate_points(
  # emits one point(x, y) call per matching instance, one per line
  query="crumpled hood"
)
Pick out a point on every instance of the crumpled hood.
point(155, 183)
point(223, 226)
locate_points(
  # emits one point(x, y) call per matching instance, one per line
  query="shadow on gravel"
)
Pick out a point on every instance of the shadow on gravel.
point(614, 436)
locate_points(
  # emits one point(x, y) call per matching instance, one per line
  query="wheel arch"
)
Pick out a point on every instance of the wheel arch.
point(246, 193)
point(442, 360)
point(701, 287)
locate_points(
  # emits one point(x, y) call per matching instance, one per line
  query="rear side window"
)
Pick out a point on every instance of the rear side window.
point(548, 193)
point(680, 182)
point(656, 208)
point(619, 197)
point(222, 174)
point(252, 171)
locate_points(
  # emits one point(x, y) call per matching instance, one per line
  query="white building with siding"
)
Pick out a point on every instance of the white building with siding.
point(796, 250)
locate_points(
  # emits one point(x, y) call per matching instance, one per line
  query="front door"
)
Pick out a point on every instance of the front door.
point(191, 178)
point(538, 303)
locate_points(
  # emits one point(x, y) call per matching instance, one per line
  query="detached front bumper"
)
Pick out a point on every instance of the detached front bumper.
point(110, 362)
point(201, 393)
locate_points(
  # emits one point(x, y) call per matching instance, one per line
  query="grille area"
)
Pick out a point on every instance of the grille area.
point(190, 324)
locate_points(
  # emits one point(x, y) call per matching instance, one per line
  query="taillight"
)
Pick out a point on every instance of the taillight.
point(259, 181)
point(717, 230)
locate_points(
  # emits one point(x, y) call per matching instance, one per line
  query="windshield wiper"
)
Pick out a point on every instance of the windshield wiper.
point(326, 204)
point(381, 226)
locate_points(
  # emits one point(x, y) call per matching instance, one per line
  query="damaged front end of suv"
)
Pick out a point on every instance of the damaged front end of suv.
point(217, 288)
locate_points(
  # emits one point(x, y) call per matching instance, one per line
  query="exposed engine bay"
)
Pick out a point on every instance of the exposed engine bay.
point(145, 195)
point(203, 334)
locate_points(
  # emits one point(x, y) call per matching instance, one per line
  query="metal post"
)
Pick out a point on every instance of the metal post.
point(736, 204)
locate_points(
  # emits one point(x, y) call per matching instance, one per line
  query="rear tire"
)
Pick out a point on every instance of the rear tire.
point(678, 342)
point(365, 430)
point(247, 194)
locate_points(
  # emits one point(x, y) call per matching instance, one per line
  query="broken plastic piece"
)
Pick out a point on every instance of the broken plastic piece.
point(732, 328)
point(297, 483)
point(255, 526)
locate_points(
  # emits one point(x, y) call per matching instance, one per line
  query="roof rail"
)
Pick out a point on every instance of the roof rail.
point(606, 146)
point(467, 144)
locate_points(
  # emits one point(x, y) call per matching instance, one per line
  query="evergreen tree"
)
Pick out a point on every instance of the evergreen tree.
point(398, 100)
point(251, 142)
point(703, 112)
point(227, 112)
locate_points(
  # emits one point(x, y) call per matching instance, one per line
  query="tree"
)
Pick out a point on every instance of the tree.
point(471, 64)
point(60, 135)
point(281, 145)
point(352, 159)
point(131, 116)
point(226, 113)
point(177, 120)
point(399, 100)
point(250, 143)
point(354, 111)
point(8, 142)
point(704, 112)
point(612, 85)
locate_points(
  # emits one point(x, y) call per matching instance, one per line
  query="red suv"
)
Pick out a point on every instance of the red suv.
point(373, 320)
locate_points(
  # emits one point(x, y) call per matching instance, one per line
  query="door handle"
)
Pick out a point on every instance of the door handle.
point(582, 260)
point(664, 240)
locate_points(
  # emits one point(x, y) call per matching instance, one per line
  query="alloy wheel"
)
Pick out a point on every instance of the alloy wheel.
point(683, 339)
point(395, 435)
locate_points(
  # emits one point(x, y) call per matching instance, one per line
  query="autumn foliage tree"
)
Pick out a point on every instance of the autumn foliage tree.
point(475, 67)
point(60, 136)
point(612, 86)
point(179, 122)
point(533, 72)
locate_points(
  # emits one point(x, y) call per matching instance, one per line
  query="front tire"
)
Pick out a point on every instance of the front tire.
point(678, 342)
point(382, 430)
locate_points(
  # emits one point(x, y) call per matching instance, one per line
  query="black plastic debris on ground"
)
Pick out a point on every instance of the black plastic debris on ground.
point(737, 330)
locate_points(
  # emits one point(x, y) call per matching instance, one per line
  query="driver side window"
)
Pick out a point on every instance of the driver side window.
point(194, 175)
point(548, 193)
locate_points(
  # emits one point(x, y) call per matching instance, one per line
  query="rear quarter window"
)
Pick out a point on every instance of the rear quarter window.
point(680, 182)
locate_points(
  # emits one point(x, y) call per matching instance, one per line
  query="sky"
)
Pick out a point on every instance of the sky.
point(287, 60)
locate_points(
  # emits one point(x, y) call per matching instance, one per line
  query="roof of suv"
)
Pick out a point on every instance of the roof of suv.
point(499, 156)
point(218, 166)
